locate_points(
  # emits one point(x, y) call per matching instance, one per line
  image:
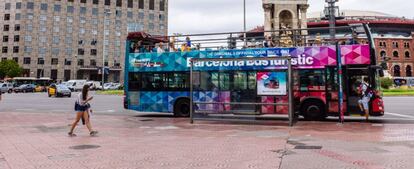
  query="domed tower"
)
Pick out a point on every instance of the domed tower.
point(285, 14)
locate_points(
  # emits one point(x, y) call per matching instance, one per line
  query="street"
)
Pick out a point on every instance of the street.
point(395, 107)
point(33, 131)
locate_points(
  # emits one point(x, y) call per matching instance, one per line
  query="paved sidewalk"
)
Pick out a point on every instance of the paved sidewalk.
point(30, 140)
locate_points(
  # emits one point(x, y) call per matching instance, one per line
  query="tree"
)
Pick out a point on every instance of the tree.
point(10, 68)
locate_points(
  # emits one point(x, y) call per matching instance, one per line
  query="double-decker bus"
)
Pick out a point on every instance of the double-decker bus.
point(160, 82)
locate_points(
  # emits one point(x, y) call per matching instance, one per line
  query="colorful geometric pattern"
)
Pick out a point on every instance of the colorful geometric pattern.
point(163, 101)
point(177, 61)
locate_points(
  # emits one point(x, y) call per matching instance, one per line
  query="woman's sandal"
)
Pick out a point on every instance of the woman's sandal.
point(94, 133)
point(71, 134)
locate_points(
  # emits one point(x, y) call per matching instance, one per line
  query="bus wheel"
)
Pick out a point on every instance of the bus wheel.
point(313, 110)
point(182, 108)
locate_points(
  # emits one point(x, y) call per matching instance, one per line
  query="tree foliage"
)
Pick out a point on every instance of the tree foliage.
point(386, 83)
point(10, 68)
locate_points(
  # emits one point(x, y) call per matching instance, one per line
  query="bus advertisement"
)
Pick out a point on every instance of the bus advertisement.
point(160, 82)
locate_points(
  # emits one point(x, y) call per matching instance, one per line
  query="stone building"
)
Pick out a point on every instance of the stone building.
point(282, 14)
point(65, 39)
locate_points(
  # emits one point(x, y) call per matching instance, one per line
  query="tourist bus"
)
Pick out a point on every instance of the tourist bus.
point(41, 83)
point(160, 82)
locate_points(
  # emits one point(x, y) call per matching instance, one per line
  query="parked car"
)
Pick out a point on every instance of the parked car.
point(6, 87)
point(94, 85)
point(59, 91)
point(24, 88)
point(112, 86)
point(76, 85)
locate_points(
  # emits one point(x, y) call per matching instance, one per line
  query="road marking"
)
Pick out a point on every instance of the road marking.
point(25, 109)
point(399, 115)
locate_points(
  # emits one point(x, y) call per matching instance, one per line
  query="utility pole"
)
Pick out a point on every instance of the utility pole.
point(244, 23)
point(331, 16)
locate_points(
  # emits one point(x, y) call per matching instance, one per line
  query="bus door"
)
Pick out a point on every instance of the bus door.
point(354, 77)
point(332, 91)
point(243, 89)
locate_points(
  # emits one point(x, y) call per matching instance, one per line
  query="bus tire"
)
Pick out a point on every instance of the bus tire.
point(313, 110)
point(182, 108)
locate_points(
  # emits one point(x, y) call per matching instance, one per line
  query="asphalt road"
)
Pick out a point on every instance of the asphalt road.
point(396, 107)
point(40, 102)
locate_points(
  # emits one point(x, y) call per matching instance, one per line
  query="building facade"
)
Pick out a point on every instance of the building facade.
point(74, 39)
point(393, 37)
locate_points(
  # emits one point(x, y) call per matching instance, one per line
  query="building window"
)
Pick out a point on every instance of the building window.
point(6, 38)
point(29, 16)
point(4, 49)
point(42, 50)
point(397, 71)
point(119, 3)
point(55, 61)
point(83, 10)
point(68, 62)
point(43, 17)
point(93, 52)
point(395, 44)
point(17, 27)
point(93, 62)
point(43, 7)
point(53, 74)
point(55, 51)
point(29, 27)
point(6, 28)
point(18, 5)
point(17, 16)
point(118, 13)
point(28, 49)
point(95, 2)
point(6, 17)
point(151, 17)
point(16, 38)
point(56, 39)
point(7, 6)
point(130, 4)
point(40, 61)
point(16, 59)
point(95, 11)
point(406, 45)
point(141, 15)
point(57, 8)
point(70, 9)
point(162, 5)
point(408, 71)
point(81, 51)
point(108, 2)
point(161, 17)
point(26, 61)
point(80, 62)
point(151, 4)
point(83, 1)
point(15, 49)
point(30, 5)
point(130, 14)
point(141, 4)
point(395, 54)
point(407, 54)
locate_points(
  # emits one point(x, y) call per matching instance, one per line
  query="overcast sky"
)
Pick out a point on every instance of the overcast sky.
point(207, 16)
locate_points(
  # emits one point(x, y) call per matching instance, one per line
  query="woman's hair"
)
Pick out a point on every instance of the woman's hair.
point(85, 92)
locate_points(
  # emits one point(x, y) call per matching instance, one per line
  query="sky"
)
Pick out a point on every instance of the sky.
point(210, 16)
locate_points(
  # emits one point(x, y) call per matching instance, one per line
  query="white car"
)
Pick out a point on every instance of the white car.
point(94, 85)
point(6, 87)
point(112, 86)
point(76, 85)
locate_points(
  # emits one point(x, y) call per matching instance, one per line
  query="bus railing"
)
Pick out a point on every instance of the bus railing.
point(254, 39)
point(193, 104)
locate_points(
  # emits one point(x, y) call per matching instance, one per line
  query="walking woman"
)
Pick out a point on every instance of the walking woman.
point(82, 108)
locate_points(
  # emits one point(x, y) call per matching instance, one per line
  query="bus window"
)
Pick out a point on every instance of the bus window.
point(224, 81)
point(252, 80)
point(240, 81)
point(207, 82)
point(312, 80)
point(134, 82)
point(178, 81)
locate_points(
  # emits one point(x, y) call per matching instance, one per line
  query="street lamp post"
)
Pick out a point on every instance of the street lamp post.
point(244, 23)
point(74, 67)
point(103, 52)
